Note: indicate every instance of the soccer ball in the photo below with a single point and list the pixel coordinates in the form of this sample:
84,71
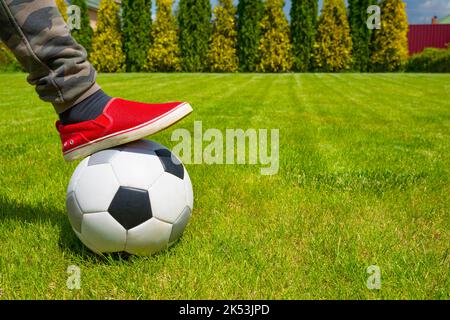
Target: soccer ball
136,198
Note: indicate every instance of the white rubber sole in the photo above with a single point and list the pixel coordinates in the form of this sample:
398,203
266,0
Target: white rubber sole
130,135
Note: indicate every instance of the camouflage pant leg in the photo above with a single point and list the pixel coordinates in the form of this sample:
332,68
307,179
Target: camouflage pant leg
38,36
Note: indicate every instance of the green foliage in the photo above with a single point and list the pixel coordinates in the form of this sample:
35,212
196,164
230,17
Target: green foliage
194,18
222,50
107,54
7,60
62,7
430,60
83,35
360,33
249,33
164,54
136,28
333,45
274,47
390,43
303,30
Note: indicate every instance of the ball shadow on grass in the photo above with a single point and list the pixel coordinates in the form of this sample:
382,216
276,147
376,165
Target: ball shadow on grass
14,210
46,213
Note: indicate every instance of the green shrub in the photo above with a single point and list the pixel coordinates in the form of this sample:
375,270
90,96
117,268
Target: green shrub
333,46
390,43
430,60
275,49
222,49
83,35
303,31
194,20
249,33
136,30
361,34
7,60
107,54
164,54
62,7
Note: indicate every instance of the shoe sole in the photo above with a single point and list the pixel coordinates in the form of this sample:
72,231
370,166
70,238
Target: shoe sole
131,134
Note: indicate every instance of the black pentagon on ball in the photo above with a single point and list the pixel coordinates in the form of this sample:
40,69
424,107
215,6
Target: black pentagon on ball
130,207
171,164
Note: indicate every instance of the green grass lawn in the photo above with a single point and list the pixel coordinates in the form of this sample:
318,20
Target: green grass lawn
363,180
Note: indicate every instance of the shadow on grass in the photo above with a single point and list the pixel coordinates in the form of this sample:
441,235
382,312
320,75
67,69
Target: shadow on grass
12,210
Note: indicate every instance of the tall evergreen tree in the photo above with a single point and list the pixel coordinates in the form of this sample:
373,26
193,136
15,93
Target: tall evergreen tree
249,33
303,30
62,7
83,35
390,43
194,19
333,45
274,47
222,50
107,49
7,60
164,54
136,28
360,33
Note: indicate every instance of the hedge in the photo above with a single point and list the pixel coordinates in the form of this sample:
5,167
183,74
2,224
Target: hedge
430,60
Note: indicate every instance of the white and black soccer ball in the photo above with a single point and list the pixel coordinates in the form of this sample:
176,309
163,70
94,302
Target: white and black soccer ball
136,198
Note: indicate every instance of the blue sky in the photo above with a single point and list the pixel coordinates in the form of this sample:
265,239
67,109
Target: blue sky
419,11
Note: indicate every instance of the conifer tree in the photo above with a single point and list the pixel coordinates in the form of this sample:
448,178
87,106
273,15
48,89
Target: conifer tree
303,29
275,48
83,35
136,28
164,54
390,43
222,50
360,33
62,7
7,60
333,44
107,54
194,20
249,34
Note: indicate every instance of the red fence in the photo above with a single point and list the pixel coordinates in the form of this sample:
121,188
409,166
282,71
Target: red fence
423,36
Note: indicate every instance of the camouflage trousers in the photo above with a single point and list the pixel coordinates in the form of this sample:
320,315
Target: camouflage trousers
56,64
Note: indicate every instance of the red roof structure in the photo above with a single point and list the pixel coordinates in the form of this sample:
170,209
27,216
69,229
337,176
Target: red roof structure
423,36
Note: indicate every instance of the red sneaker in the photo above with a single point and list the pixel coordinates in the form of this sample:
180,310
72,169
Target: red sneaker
121,122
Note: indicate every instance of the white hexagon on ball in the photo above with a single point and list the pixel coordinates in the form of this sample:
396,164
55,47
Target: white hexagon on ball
76,175
165,205
103,232
96,188
74,211
138,241
137,170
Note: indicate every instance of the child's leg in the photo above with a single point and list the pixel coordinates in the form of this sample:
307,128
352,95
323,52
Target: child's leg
39,38
89,119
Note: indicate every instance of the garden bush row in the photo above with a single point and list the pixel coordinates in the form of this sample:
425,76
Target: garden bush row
430,60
